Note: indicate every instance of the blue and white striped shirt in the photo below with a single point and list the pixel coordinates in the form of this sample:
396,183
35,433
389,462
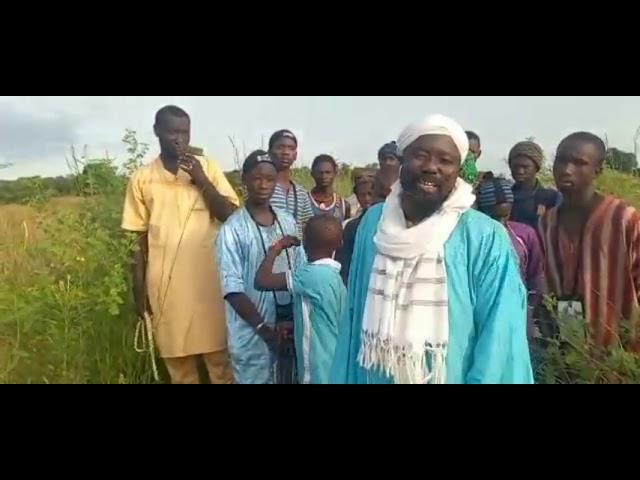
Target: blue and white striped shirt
295,202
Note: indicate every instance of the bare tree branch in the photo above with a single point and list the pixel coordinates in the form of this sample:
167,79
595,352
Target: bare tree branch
636,146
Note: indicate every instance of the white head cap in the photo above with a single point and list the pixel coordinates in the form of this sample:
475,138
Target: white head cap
435,125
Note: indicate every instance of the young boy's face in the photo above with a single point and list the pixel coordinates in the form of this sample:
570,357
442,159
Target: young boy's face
324,174
285,153
523,170
261,182
576,167
364,194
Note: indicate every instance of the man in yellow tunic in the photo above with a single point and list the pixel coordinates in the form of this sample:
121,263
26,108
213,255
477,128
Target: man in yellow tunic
174,204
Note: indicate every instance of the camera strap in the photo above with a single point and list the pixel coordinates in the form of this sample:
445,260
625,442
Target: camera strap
264,246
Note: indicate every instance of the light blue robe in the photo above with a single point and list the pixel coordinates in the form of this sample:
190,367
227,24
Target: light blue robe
487,307
320,299
240,254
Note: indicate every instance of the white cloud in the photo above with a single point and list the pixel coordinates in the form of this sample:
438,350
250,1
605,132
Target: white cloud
36,131
28,135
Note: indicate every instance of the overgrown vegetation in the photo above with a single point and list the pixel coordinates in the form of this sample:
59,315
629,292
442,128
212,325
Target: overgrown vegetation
571,358
66,314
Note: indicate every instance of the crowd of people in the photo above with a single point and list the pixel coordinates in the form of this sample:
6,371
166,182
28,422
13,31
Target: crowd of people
432,272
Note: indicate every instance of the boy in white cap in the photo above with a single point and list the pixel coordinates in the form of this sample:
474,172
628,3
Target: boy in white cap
435,292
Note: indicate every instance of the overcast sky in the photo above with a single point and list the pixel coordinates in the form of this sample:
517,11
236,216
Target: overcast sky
37,132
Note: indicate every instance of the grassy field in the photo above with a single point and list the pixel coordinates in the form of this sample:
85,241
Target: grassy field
621,186
66,312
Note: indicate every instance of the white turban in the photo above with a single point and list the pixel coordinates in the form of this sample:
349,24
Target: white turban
436,125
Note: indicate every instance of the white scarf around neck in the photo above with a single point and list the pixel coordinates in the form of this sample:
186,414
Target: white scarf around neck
406,318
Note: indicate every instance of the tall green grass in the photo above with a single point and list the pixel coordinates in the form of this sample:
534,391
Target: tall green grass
66,311
66,314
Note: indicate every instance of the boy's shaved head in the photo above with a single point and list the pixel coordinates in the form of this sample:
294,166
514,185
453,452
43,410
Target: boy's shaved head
323,234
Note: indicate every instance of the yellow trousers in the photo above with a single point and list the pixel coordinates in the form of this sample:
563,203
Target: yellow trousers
184,371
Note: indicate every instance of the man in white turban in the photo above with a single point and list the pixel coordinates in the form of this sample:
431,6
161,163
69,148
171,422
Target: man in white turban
435,292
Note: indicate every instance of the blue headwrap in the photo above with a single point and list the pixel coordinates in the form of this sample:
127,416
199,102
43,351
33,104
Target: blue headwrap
389,149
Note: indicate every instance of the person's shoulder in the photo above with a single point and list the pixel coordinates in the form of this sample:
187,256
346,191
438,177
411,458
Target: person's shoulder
325,274
523,227
210,162
477,223
525,230
236,218
371,218
373,212
352,224
146,170
544,189
549,195
213,169
617,207
618,203
480,233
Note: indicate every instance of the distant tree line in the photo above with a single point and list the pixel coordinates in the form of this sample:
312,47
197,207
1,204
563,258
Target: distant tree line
24,189
101,176
98,177
622,161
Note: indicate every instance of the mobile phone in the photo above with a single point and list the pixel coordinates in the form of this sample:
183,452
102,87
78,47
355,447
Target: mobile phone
195,151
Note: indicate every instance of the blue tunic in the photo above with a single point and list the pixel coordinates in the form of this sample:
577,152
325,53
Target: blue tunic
240,254
487,306
320,299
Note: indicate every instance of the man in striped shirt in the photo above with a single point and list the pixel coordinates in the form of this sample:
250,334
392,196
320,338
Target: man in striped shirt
592,243
288,195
